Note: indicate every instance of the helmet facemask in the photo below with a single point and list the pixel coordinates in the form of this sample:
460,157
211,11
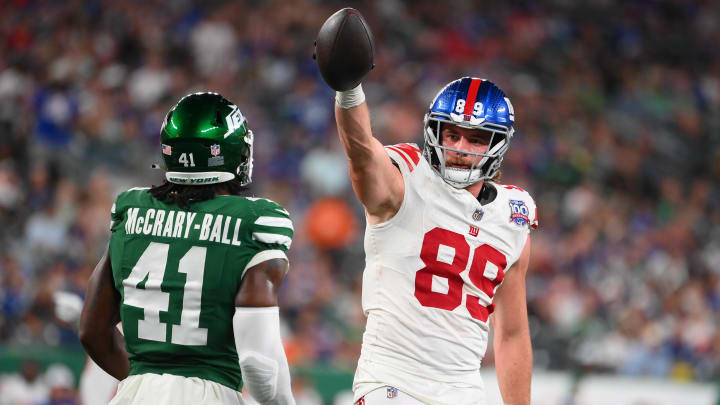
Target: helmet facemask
244,170
484,165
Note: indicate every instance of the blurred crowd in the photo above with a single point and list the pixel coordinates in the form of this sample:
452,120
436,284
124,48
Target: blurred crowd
618,139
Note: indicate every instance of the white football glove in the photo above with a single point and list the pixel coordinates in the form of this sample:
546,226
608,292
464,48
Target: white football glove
67,306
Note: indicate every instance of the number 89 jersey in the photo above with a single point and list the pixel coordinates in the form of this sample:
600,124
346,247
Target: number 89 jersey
430,277
178,272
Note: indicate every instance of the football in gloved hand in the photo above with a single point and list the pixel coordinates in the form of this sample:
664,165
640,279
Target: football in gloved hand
344,49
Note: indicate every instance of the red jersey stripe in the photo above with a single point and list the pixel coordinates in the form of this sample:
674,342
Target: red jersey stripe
402,155
411,151
471,96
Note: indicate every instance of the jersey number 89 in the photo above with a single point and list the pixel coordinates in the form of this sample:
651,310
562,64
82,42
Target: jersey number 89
451,271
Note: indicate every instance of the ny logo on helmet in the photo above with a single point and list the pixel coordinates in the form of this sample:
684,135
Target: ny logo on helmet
234,120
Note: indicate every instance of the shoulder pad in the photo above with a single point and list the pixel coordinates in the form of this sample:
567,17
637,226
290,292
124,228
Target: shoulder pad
272,224
132,194
125,198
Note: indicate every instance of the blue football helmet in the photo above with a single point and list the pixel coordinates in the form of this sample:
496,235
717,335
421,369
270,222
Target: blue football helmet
472,103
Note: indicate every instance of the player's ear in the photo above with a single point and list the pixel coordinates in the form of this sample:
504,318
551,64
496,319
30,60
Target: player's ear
260,284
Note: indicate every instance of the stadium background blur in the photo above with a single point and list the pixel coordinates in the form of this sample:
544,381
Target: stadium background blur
618,140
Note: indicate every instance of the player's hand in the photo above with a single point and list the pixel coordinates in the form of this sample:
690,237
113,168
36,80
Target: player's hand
67,306
344,49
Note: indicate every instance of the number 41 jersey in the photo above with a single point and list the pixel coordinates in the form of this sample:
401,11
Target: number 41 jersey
430,277
178,272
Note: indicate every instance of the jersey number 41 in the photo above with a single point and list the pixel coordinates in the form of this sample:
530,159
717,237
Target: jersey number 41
152,299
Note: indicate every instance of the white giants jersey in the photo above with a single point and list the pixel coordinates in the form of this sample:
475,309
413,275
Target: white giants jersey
430,277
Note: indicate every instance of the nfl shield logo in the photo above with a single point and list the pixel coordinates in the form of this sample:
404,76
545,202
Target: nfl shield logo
215,150
477,215
392,392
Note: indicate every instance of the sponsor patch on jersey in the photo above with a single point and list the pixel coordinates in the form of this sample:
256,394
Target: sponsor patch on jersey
392,392
477,215
519,212
166,149
215,149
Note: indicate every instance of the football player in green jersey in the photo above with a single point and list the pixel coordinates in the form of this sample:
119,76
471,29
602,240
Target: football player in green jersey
193,271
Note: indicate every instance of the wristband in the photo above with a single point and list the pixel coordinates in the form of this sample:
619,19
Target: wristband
350,98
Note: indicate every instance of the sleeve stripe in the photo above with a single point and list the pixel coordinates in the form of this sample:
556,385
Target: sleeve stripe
264,256
403,156
272,238
282,211
412,151
275,222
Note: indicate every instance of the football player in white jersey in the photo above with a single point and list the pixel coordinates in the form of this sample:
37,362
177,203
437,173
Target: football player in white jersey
446,246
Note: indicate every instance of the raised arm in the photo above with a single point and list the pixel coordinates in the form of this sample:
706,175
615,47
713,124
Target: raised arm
376,181
513,352
345,51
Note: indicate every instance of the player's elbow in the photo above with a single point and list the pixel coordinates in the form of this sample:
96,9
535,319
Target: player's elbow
513,344
86,336
88,333
519,333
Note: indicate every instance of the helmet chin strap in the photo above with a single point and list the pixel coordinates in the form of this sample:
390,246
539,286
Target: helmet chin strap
461,178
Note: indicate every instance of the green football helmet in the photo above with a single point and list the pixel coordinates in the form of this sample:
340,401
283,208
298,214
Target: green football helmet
205,140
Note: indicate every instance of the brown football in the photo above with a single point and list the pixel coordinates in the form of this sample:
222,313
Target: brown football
344,49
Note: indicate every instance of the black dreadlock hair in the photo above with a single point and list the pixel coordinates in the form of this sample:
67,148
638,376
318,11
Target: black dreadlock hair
184,195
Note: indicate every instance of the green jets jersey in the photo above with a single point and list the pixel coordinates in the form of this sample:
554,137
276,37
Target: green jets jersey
178,272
